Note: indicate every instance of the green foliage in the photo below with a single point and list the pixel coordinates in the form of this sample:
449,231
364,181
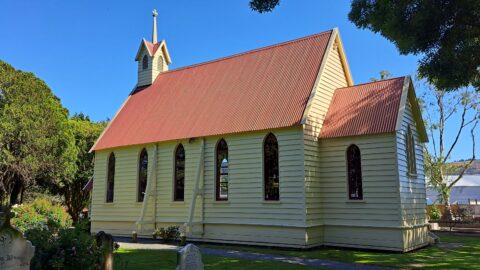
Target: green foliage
444,32
384,74
434,213
439,107
69,248
86,133
168,234
41,214
36,141
262,6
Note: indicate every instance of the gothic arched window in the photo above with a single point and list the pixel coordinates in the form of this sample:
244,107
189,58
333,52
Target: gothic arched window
354,167
221,172
145,62
270,169
410,151
142,175
179,174
110,178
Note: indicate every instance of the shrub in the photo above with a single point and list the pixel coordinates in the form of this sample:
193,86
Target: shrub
170,233
434,213
68,248
41,213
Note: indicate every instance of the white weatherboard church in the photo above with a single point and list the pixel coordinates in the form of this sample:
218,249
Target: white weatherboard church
274,146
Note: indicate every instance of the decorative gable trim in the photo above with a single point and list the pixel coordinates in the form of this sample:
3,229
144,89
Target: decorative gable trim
331,41
408,93
162,48
334,41
143,44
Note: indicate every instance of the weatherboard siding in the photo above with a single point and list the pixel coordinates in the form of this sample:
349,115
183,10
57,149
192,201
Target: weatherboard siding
412,188
332,77
245,205
124,207
374,221
156,65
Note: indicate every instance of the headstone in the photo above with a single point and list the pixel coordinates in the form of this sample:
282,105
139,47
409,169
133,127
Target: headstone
15,251
189,258
105,242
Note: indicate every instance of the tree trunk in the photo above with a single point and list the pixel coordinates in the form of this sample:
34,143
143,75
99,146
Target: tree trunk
447,214
16,190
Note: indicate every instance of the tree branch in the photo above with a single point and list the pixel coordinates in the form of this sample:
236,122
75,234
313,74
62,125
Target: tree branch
469,163
462,125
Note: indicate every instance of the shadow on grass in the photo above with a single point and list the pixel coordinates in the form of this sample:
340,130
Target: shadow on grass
158,259
455,252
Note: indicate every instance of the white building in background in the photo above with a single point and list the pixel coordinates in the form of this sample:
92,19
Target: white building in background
466,191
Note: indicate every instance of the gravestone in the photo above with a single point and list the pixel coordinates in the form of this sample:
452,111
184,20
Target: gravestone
105,241
189,258
15,251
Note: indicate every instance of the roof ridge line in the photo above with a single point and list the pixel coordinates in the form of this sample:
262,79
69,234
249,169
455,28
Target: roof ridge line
396,78
248,52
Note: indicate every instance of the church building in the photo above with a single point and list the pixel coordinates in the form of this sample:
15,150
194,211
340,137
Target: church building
275,146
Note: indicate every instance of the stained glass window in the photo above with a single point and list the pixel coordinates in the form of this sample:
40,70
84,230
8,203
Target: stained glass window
355,191
222,171
142,174
110,178
270,168
179,181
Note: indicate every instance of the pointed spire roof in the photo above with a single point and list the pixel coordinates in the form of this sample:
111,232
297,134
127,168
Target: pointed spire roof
154,32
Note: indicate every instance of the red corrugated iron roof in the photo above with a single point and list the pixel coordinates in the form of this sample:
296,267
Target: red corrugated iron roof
370,108
261,89
152,48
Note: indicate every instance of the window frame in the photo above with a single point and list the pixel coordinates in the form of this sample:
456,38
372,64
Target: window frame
143,151
218,171
264,176
145,62
361,197
110,171
175,198
410,151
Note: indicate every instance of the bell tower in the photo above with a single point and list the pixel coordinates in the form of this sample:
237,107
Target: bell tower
152,57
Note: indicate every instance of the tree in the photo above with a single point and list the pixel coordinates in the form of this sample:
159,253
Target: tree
444,32
384,74
262,6
35,138
440,109
86,133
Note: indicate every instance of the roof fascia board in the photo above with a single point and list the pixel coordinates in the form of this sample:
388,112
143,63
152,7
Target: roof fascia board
403,103
143,44
417,114
111,121
163,48
408,93
343,58
331,41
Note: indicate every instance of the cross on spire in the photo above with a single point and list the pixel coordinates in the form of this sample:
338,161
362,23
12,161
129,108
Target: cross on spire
154,34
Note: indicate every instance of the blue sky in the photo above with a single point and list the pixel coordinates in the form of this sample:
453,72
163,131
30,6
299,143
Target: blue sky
85,50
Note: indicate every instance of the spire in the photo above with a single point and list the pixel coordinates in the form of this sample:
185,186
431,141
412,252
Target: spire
154,34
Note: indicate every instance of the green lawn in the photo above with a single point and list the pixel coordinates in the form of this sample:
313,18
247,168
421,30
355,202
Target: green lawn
155,259
454,252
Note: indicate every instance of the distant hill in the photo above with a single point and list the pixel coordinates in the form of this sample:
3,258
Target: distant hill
474,169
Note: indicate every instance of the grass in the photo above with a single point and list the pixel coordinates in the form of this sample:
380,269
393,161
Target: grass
454,252
157,259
